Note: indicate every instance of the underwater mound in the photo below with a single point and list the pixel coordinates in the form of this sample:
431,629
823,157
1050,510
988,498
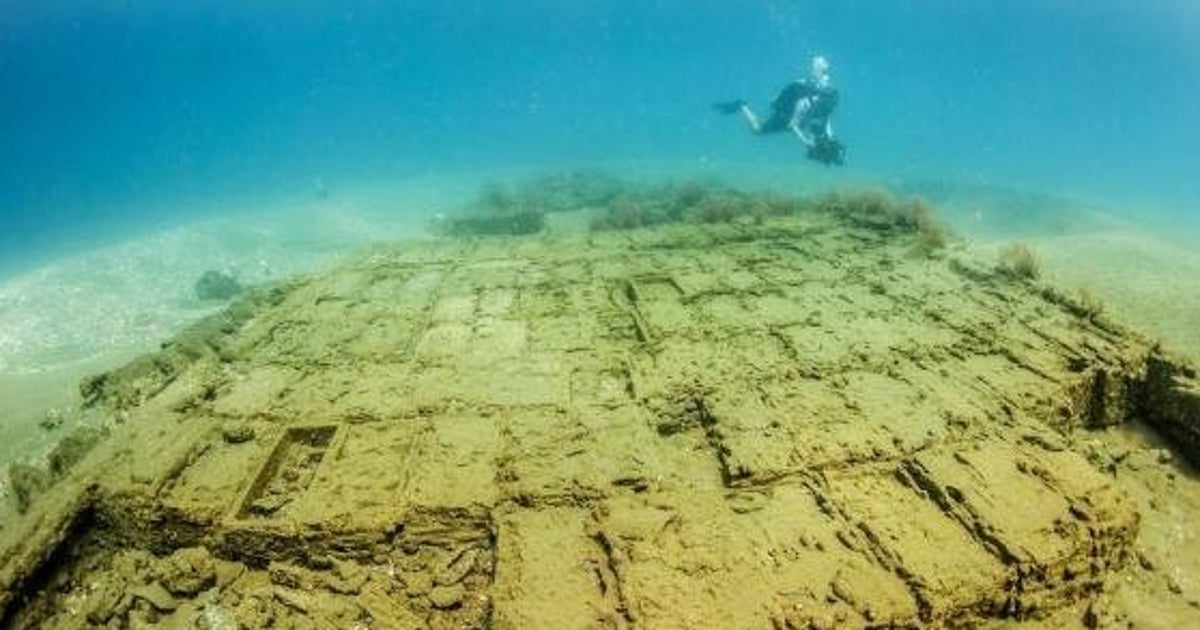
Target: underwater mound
709,408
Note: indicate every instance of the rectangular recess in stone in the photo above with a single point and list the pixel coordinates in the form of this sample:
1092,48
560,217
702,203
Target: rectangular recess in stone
361,481
775,309
498,339
386,338
599,383
552,573
563,333
765,558
749,440
533,381
723,315
451,463
211,482
692,283
288,471
458,308
656,288
666,318
950,571
621,326
740,279
255,390
497,302
1011,498
443,343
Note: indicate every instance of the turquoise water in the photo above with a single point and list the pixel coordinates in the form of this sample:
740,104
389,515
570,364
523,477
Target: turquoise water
122,117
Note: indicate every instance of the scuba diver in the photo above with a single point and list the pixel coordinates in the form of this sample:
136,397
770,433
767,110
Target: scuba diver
803,107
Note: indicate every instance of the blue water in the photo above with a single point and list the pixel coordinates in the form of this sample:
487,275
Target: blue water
121,116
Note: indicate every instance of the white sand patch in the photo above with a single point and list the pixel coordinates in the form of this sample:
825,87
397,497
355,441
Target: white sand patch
94,311
138,292
1142,269
1149,281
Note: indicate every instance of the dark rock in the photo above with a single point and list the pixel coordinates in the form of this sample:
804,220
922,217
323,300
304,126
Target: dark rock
237,434
214,285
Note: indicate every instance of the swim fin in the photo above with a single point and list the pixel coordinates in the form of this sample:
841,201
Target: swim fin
729,107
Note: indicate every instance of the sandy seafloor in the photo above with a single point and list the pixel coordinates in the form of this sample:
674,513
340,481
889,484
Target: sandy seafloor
95,310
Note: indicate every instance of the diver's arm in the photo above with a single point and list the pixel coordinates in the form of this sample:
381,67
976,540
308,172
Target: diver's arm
805,138
802,107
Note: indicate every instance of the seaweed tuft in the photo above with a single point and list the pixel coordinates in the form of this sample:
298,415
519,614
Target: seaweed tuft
1019,261
613,204
931,235
879,210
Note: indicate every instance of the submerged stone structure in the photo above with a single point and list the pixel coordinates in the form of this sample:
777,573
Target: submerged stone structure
785,422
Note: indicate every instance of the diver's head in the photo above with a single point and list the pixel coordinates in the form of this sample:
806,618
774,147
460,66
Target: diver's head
820,69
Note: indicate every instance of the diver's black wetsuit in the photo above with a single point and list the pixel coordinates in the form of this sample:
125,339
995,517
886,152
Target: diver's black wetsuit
805,103
783,108
813,121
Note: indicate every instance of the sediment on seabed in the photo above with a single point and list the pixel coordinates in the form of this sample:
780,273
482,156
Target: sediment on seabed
809,411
